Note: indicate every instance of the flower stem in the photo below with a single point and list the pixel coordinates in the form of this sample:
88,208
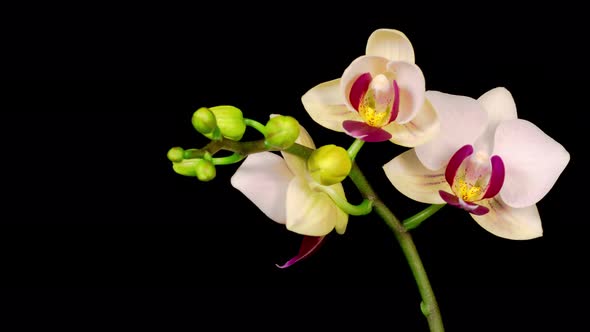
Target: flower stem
429,305
417,219
354,149
232,159
256,125
354,210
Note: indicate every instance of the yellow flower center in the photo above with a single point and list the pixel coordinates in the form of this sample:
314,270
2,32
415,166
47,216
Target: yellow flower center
472,178
376,105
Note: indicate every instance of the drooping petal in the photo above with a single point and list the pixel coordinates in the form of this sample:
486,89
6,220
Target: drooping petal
390,44
326,105
309,245
373,65
411,178
500,106
363,131
309,212
264,178
423,127
508,222
532,159
456,161
412,88
497,177
462,120
296,164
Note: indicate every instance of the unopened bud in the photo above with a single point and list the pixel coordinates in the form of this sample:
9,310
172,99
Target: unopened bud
230,121
205,170
176,154
282,131
186,167
329,164
205,122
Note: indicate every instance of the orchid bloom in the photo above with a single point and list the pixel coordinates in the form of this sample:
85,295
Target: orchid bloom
484,160
380,96
286,193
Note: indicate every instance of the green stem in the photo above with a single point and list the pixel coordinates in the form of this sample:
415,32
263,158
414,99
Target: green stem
417,219
234,158
429,305
256,125
354,210
354,149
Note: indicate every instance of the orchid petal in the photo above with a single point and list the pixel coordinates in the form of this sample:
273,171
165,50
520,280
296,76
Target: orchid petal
373,65
341,217
508,222
327,106
411,178
297,164
500,106
309,212
364,132
390,44
264,178
533,162
462,121
423,127
472,208
412,85
309,245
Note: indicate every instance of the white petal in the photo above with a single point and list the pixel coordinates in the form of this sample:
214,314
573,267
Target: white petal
510,223
412,87
532,159
462,121
309,212
411,178
500,106
390,44
296,164
341,218
264,178
326,105
423,127
374,65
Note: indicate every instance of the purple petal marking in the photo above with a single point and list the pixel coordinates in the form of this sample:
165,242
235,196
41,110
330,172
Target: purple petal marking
449,198
497,177
365,132
358,90
308,246
395,107
456,161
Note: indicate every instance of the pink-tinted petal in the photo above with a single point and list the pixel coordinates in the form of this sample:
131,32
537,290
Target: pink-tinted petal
508,222
421,129
358,90
497,177
412,87
309,245
373,65
390,44
327,106
500,106
467,206
363,131
462,121
456,161
532,159
264,178
407,174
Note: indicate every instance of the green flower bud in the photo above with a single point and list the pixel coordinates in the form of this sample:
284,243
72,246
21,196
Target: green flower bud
205,170
282,131
176,154
230,121
329,164
186,167
204,122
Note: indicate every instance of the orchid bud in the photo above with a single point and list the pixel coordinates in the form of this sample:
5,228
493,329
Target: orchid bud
186,167
176,154
281,131
329,164
205,170
230,122
205,122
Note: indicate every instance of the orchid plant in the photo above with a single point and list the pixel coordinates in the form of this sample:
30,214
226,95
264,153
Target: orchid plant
475,155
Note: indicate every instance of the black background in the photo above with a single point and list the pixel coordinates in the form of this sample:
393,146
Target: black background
97,226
